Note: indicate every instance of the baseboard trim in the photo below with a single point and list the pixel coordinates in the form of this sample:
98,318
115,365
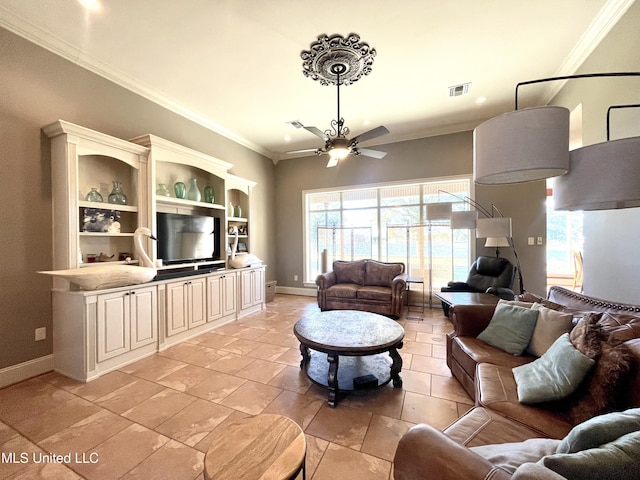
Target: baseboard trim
24,370
306,292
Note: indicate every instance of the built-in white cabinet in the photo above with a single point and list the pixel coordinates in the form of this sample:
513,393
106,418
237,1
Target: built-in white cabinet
222,296
251,290
125,321
186,305
95,332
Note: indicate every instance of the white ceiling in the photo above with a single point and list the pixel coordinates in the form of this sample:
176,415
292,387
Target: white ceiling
234,65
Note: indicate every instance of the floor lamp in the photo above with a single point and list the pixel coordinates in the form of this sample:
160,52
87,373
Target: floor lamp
435,211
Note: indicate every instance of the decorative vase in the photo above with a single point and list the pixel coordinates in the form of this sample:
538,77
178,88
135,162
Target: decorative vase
237,211
194,193
162,191
209,194
180,189
117,196
94,196
230,209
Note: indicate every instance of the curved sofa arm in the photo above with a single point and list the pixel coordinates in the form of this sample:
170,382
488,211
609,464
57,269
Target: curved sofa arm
325,280
502,292
470,320
399,284
425,452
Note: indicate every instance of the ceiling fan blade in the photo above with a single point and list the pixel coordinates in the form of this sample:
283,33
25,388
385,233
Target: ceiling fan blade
372,153
316,131
332,162
306,150
376,132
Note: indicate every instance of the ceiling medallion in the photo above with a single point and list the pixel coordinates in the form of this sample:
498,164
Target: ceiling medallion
337,60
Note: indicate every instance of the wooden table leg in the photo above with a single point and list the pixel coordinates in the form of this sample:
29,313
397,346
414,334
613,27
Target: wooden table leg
396,366
304,351
332,379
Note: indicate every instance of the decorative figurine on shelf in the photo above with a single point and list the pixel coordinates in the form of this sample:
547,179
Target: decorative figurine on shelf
241,260
194,192
180,189
209,196
103,257
117,196
162,191
94,196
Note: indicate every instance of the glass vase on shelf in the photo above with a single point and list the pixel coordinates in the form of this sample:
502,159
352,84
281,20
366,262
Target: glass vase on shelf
209,196
194,192
180,189
162,190
237,211
117,196
94,196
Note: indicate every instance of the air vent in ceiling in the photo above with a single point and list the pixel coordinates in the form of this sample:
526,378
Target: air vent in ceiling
295,123
457,90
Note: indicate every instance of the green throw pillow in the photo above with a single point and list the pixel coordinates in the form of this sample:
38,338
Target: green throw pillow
510,328
617,460
600,430
554,375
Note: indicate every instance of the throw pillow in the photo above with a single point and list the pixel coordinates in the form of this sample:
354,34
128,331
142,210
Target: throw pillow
554,375
600,430
619,460
550,325
510,328
604,387
517,303
586,335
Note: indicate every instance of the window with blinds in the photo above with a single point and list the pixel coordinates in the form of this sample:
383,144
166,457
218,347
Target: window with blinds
388,223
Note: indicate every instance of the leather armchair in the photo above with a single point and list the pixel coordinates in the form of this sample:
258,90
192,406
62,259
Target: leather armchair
487,275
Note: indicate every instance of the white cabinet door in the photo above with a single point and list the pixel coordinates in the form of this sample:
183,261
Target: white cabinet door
214,297
246,289
221,296
229,294
144,316
258,286
197,302
113,333
176,313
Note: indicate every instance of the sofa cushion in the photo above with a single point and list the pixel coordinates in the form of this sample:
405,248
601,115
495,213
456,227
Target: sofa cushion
342,290
600,430
469,352
510,328
381,274
496,389
553,376
509,456
623,326
349,272
381,294
550,325
619,460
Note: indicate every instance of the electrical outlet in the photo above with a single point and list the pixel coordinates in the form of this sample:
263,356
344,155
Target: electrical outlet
539,240
41,333
295,278
531,241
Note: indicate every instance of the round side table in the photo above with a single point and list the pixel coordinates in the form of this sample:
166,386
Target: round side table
267,447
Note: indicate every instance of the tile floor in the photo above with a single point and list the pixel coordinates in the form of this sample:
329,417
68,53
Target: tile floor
155,418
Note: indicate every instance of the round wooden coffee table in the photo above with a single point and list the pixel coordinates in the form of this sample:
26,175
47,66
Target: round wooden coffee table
271,447
361,338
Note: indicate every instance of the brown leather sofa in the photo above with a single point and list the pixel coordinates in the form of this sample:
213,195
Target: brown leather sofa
499,419
366,285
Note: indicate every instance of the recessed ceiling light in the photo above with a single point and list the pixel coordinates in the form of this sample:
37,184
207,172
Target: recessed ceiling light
481,99
366,122
287,138
90,4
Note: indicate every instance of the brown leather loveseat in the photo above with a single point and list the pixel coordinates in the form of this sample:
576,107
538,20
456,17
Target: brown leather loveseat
366,285
491,440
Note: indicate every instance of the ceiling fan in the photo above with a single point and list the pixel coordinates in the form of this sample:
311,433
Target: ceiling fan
339,60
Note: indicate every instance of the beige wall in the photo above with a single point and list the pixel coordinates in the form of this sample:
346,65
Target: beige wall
611,260
37,89
442,156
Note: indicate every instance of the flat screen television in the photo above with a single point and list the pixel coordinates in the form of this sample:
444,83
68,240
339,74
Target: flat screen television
187,238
